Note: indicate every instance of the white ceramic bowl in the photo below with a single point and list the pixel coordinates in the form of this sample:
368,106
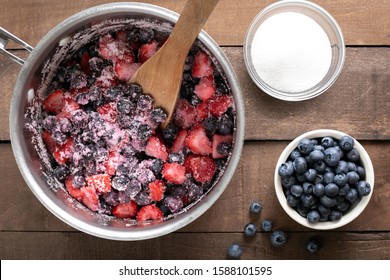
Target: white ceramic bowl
354,211
328,24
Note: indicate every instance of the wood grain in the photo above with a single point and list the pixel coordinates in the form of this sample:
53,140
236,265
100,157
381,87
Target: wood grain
361,22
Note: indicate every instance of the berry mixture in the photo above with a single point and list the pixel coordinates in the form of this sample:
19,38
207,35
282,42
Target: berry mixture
323,178
104,138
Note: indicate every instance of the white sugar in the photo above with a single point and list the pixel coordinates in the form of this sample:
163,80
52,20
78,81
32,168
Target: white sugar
291,52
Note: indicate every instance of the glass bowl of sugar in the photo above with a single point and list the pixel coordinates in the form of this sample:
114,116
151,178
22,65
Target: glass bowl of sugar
294,50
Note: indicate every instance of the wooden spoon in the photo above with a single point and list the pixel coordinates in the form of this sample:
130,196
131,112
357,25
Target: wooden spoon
161,75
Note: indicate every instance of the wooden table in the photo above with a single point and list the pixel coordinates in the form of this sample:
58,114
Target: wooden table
358,104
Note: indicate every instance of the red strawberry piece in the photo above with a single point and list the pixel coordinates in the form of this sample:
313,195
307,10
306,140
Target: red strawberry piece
174,173
125,70
203,111
202,168
149,212
156,148
64,152
108,112
105,46
113,161
84,63
125,210
90,198
69,106
72,190
202,65
198,142
146,51
51,144
121,35
101,182
205,88
179,142
185,114
218,139
54,102
156,190
107,78
219,104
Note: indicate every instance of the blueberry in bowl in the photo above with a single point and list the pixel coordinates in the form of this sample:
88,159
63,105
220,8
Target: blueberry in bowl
89,144
324,179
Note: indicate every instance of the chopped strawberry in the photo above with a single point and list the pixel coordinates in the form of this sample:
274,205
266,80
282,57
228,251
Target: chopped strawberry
202,168
124,70
149,212
104,46
101,182
179,142
174,173
156,190
156,148
146,51
113,161
54,102
108,112
51,145
203,111
69,106
219,104
125,210
107,78
90,198
84,63
205,88
185,114
202,65
121,35
218,139
72,190
64,152
198,142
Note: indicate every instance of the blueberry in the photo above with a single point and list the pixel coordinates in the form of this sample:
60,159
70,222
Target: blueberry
295,153
158,115
225,125
296,190
319,179
353,155
301,177
346,143
278,238
344,189
335,215
173,203
250,229
224,148
342,206
292,200
266,225
328,177
332,156
305,146
312,246
145,102
352,166
313,217
146,35
134,91
319,166
234,251
169,134
176,157
363,188
307,187
308,200
331,190
353,177
328,201
61,172
351,195
210,124
288,181
340,179
316,155
302,210
144,132
324,211
361,171
300,165
255,207
120,183
327,142
286,169
124,106
78,181
342,167
319,190
310,174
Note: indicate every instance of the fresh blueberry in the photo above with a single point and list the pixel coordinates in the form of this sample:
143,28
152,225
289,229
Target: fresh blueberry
352,166
313,217
301,177
292,200
307,187
286,169
300,165
328,201
361,171
331,190
266,225
295,153
312,246
342,167
296,190
255,207
319,166
344,189
327,142
340,179
328,177
316,155
363,188
353,155
319,190
308,200
234,251
302,210
343,206
61,172
353,177
305,146
346,142
319,179
311,174
351,195
278,238
332,156
324,211
335,215
288,181
250,229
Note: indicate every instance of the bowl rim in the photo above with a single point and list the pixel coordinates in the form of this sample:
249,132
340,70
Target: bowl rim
305,95
19,147
350,215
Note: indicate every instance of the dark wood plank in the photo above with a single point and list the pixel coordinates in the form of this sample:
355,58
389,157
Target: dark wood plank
356,104
253,180
187,246
361,22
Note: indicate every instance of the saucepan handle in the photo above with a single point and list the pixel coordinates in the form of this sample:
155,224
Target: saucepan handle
5,37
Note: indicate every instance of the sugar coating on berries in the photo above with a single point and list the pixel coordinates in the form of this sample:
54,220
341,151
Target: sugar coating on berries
103,134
